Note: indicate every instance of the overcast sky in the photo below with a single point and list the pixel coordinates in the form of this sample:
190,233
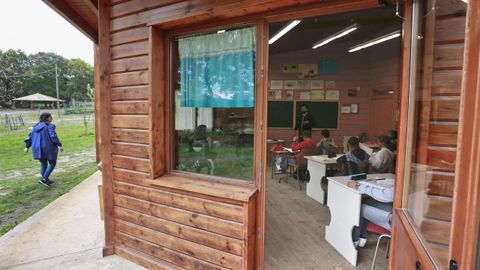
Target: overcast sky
32,26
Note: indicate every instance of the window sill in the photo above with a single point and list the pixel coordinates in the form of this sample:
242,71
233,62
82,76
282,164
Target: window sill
202,186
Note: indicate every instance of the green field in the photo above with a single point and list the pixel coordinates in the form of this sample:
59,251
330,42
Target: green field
20,194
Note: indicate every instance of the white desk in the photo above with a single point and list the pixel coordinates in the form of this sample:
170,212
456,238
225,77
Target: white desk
345,204
317,167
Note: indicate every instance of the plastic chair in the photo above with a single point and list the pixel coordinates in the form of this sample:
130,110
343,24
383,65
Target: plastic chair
384,233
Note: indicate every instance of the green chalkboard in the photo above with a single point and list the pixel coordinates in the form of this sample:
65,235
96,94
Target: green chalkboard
280,114
324,113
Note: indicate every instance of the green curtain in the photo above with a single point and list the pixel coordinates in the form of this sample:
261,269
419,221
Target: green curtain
218,70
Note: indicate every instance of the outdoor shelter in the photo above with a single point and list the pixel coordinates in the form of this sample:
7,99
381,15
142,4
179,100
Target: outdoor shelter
161,216
37,99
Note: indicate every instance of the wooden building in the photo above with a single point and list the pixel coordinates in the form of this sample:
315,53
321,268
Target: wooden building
163,217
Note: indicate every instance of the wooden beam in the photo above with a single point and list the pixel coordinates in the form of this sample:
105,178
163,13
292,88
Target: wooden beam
68,13
156,96
105,116
93,6
466,218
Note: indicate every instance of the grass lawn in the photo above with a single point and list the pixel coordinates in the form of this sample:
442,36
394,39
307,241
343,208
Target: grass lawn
20,194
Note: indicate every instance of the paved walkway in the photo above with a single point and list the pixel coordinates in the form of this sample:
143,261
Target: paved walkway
67,234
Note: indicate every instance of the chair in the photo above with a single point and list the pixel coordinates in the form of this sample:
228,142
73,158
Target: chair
300,164
384,233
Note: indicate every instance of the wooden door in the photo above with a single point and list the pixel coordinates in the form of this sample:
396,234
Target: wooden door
434,149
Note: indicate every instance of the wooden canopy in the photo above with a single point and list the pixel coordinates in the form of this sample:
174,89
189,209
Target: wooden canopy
37,97
83,14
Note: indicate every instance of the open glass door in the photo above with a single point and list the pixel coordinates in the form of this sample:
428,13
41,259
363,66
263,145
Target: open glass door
424,222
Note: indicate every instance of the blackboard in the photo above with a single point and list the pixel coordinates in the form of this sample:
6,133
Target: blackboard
324,113
280,114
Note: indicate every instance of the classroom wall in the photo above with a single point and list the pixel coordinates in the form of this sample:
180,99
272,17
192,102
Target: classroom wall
363,70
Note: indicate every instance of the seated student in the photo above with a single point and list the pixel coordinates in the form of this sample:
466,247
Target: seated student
303,145
305,142
356,159
393,134
383,160
325,143
376,209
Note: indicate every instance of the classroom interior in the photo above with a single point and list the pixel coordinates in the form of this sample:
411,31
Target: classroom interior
348,93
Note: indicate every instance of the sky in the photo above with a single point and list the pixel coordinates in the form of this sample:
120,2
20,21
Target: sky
30,25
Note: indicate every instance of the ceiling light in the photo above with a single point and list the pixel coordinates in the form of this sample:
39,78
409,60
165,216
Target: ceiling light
465,1
220,31
284,30
339,34
375,41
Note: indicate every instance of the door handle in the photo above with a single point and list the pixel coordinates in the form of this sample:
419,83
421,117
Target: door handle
418,265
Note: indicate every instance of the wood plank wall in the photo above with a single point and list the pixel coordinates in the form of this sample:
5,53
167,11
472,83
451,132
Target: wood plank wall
441,107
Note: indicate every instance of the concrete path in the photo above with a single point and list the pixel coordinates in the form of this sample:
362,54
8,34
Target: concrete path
67,234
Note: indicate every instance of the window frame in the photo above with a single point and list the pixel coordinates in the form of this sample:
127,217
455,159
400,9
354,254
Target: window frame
169,106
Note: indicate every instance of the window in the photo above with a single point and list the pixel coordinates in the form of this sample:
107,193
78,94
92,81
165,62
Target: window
213,96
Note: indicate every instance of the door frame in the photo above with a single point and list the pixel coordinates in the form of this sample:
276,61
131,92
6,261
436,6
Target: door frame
465,228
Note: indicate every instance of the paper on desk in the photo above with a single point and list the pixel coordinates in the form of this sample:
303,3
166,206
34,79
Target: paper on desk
366,149
386,182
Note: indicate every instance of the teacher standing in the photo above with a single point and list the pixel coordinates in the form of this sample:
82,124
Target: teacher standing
304,122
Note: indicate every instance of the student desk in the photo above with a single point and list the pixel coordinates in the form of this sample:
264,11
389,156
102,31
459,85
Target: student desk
317,167
345,204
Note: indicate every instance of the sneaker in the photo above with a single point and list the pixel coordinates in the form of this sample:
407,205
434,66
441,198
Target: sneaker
362,242
49,182
43,182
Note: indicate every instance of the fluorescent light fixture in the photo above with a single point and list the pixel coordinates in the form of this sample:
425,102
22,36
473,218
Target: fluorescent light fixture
339,34
465,1
284,30
221,31
375,41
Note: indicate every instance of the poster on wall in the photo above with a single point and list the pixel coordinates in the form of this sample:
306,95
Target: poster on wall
316,84
345,109
354,108
290,84
289,95
317,95
332,94
307,71
330,84
278,95
305,95
290,68
276,84
352,92
271,95
329,66
303,84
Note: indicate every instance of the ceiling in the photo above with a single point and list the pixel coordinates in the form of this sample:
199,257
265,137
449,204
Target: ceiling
373,23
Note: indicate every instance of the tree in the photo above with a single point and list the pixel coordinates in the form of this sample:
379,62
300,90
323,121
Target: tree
42,64
13,64
79,75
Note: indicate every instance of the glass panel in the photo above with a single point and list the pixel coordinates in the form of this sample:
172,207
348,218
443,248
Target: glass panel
437,57
214,96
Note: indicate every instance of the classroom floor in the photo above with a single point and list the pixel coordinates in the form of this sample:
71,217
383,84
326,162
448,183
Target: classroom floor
295,233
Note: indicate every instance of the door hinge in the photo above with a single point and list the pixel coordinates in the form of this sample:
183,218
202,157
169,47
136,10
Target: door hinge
453,265
259,233
262,71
